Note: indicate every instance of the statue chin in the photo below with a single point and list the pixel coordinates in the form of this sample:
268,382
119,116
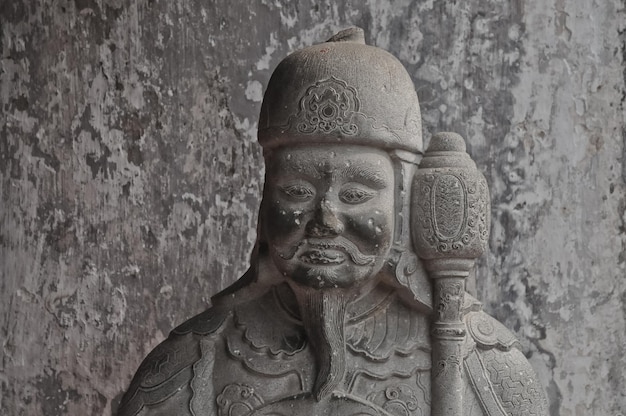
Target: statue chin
327,277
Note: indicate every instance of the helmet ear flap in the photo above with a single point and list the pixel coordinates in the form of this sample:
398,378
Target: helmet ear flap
261,240
406,268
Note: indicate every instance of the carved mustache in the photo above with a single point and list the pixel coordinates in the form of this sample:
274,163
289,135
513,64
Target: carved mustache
338,243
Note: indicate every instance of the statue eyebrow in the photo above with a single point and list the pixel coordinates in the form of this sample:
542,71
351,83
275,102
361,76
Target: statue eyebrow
369,175
306,169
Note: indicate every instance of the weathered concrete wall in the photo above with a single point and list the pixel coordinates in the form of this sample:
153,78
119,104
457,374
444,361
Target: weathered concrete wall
130,174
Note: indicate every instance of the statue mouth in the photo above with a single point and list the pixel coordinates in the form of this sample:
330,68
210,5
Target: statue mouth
323,257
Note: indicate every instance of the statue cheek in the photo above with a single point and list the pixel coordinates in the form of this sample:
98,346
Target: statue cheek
282,220
371,232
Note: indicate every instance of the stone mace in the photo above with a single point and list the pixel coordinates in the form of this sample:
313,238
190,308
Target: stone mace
451,227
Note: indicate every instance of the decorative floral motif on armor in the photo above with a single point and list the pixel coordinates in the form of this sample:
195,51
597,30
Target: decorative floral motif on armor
398,400
328,106
489,333
237,400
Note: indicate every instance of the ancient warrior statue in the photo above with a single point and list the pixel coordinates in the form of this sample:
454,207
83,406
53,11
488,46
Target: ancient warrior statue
355,300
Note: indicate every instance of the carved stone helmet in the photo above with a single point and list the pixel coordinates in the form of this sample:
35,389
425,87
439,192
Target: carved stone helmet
341,91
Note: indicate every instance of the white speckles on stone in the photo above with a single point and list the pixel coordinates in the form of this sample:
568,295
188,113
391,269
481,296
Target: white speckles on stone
292,42
191,197
411,48
166,291
254,91
131,270
117,311
579,104
288,20
514,32
511,58
134,93
245,127
264,62
25,295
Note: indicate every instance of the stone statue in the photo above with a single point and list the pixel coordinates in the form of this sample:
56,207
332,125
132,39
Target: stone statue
355,300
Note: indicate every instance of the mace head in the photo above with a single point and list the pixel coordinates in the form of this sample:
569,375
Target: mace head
450,200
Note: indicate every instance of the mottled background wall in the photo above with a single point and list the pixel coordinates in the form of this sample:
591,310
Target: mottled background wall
130,174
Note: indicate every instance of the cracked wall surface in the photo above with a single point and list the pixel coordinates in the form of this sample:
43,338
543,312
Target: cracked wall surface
130,174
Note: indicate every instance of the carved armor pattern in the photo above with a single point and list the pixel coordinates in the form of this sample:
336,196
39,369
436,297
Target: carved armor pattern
399,400
169,362
238,400
450,296
443,366
287,337
167,368
515,382
279,352
328,106
388,331
489,333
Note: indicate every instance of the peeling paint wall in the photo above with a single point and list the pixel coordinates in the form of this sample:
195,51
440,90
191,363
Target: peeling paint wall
130,174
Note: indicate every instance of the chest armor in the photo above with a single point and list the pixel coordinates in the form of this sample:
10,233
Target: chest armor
254,359
265,366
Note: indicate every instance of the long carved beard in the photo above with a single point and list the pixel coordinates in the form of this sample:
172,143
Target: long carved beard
323,315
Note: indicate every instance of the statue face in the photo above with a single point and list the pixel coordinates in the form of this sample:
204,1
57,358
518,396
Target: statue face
329,213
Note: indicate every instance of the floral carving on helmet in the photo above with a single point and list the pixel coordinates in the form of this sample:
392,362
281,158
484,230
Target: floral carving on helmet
328,106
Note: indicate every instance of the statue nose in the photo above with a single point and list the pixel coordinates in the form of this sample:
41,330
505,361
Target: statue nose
325,222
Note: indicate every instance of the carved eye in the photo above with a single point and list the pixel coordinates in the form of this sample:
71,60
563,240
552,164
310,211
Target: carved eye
355,195
297,191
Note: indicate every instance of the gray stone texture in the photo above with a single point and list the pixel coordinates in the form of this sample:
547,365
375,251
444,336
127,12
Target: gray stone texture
130,174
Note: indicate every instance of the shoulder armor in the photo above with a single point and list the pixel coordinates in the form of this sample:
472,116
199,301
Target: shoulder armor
488,333
169,366
505,383
205,323
501,377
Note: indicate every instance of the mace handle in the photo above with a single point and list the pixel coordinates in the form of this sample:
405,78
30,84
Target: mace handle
450,224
